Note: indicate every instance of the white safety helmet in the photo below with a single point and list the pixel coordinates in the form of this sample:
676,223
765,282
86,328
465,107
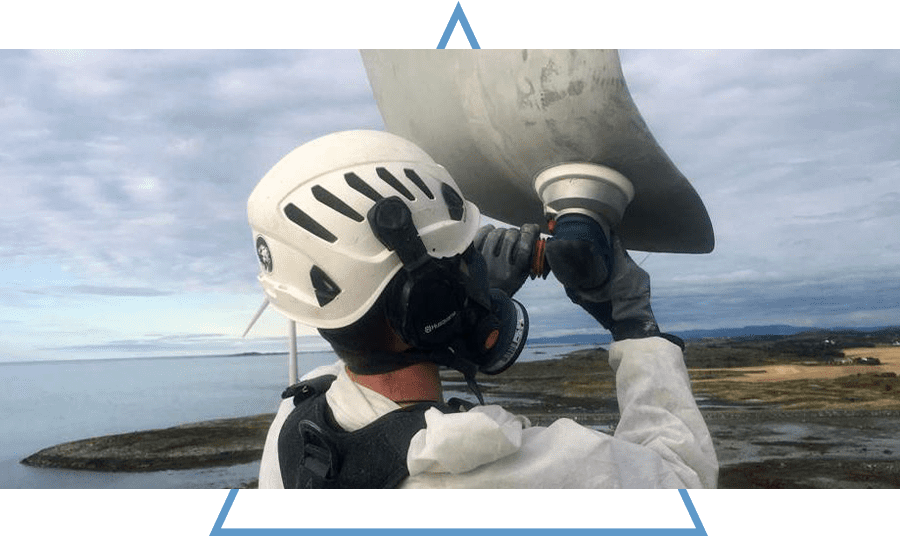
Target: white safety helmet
320,263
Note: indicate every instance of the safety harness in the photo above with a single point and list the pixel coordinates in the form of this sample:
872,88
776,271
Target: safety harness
315,452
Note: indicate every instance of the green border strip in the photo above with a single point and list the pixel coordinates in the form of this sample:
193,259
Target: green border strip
219,529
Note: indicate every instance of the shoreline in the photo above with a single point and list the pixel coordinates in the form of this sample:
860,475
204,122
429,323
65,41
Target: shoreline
813,428
197,445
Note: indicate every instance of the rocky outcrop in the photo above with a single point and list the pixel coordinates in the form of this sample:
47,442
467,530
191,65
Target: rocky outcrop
190,446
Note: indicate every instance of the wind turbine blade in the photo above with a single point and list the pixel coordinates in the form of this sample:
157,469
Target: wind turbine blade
259,312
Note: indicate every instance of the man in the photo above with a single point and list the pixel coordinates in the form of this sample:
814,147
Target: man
363,236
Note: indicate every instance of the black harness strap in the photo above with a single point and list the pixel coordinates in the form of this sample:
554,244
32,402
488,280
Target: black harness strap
314,452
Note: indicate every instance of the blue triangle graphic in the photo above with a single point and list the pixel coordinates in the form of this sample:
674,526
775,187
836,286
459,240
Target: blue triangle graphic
460,17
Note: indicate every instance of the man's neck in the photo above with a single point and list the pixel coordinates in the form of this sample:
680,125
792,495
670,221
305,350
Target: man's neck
419,382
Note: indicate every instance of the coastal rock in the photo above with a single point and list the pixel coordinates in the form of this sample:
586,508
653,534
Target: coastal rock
832,428
190,446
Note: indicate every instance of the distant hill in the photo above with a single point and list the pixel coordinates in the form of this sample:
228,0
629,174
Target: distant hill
750,331
572,340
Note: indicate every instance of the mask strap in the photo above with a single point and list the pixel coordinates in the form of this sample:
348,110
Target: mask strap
391,222
473,386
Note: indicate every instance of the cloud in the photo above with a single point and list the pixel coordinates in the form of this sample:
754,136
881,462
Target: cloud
885,207
793,152
115,291
185,344
126,174
134,166
823,303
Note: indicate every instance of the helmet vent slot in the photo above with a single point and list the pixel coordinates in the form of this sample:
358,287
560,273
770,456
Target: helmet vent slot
414,177
362,187
298,217
326,289
394,182
332,201
455,204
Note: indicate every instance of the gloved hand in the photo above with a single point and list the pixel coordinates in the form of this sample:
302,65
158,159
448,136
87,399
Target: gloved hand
602,279
507,253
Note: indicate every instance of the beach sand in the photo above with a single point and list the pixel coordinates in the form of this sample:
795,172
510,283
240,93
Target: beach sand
811,384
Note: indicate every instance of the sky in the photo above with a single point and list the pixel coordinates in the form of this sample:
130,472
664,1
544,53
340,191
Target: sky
125,176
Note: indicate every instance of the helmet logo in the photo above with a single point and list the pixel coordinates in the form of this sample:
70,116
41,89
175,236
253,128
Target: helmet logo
265,256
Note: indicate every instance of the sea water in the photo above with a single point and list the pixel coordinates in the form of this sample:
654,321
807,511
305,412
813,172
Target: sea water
46,403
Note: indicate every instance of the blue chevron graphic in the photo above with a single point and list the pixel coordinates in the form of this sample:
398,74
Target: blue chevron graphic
458,17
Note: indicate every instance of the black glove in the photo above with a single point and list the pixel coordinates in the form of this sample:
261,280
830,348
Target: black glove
507,253
602,278
578,253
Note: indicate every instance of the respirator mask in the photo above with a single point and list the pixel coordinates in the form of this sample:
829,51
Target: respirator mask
444,308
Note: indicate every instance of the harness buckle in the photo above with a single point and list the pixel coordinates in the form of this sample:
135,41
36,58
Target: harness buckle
319,454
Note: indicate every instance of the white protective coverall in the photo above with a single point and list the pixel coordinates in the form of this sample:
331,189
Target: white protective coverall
661,440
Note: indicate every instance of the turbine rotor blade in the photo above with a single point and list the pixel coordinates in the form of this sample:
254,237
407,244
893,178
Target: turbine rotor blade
259,312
